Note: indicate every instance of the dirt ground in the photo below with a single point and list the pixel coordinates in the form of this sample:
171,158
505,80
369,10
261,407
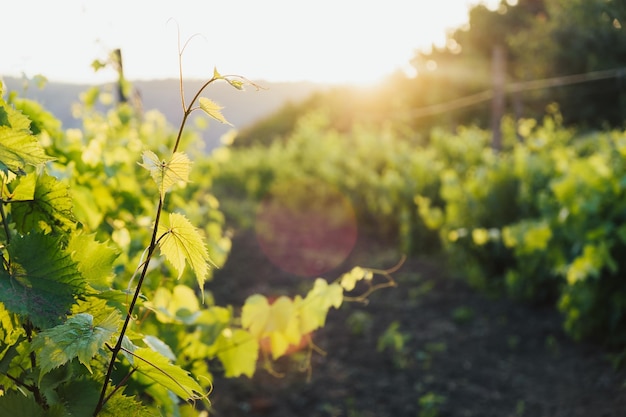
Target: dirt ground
450,351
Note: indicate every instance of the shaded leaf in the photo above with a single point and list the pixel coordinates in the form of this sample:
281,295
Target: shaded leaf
42,281
16,404
180,242
80,396
160,346
213,110
79,337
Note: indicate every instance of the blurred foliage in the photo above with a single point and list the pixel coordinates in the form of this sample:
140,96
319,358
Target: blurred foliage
541,220
77,237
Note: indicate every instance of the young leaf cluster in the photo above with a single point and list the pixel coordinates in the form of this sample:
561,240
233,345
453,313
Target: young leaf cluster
102,280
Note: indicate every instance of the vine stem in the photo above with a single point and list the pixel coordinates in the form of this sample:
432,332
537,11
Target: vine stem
153,243
5,224
131,307
187,110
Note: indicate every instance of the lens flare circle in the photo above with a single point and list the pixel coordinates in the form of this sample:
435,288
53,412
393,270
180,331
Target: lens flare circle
305,226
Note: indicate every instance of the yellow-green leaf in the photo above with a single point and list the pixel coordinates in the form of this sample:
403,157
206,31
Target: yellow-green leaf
238,351
18,148
158,368
313,309
349,279
167,173
179,242
213,110
235,83
49,210
254,314
278,321
78,337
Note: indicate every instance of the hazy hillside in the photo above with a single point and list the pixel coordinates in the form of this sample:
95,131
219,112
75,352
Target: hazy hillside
240,108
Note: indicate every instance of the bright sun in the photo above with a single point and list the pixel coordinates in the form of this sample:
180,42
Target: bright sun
275,40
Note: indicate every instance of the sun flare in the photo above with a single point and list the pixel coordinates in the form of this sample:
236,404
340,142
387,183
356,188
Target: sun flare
276,40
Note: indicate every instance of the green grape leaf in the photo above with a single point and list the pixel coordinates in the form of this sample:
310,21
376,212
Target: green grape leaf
213,110
313,309
181,304
159,369
11,329
238,351
160,346
122,406
10,117
42,280
50,210
16,404
180,242
79,337
24,187
166,174
95,260
80,396
18,147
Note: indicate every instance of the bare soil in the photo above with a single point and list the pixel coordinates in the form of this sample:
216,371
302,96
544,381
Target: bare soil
459,352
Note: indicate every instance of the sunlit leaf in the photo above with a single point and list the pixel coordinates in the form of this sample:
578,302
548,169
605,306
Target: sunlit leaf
213,110
24,187
42,281
95,260
236,83
159,369
277,321
49,210
79,337
255,313
181,304
313,309
238,351
180,242
18,147
167,173
122,406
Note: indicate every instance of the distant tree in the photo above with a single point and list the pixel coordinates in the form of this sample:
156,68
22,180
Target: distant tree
543,38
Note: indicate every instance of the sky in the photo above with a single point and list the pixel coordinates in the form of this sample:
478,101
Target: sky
328,41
